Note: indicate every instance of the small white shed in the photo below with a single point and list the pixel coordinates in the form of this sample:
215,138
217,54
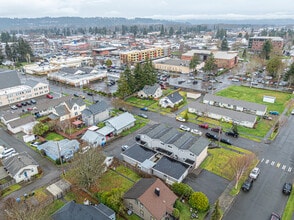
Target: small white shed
269,99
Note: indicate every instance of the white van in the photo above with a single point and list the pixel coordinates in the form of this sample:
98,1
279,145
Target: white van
7,153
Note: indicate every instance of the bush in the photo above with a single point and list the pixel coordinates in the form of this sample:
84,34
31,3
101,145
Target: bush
199,201
43,152
57,161
182,189
176,213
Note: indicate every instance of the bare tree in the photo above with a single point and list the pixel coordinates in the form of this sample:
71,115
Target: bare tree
88,167
239,166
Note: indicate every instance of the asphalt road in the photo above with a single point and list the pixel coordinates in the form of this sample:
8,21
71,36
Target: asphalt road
276,167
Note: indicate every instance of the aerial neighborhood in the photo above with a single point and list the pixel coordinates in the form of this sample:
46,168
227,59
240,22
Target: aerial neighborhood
174,121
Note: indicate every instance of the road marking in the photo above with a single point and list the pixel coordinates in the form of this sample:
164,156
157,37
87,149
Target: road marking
283,167
273,163
278,165
262,160
266,161
289,169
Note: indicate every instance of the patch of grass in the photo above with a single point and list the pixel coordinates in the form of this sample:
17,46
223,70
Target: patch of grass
289,209
53,207
53,137
10,189
184,209
129,173
70,196
140,122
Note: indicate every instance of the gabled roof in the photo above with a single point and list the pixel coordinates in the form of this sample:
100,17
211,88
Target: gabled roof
144,191
121,120
139,153
150,90
70,102
45,104
61,110
91,136
15,163
21,121
9,78
96,108
32,83
175,97
74,211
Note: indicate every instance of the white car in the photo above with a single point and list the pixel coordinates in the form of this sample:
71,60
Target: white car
195,131
254,173
292,112
184,128
179,118
124,147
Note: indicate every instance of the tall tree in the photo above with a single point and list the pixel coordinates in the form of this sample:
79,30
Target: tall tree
140,77
274,66
8,51
125,83
171,31
244,54
289,76
149,72
162,30
267,49
194,62
224,45
210,64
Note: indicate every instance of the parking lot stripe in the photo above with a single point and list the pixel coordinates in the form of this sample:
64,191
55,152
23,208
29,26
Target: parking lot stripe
278,165
262,160
289,169
266,161
283,167
273,163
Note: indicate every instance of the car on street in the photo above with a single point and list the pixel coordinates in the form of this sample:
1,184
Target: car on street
211,136
33,101
232,134
292,112
195,131
274,113
142,115
76,95
179,118
13,107
254,173
185,128
247,185
19,105
124,147
275,216
205,126
287,188
225,141
35,144
49,96
217,129
7,152
144,109
90,93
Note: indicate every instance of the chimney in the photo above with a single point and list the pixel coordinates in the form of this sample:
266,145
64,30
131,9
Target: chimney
157,191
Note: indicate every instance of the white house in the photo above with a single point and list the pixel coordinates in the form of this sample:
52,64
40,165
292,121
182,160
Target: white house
171,100
25,125
153,91
121,122
21,167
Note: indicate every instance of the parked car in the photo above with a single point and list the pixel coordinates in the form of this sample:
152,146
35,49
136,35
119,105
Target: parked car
13,107
185,128
287,188
179,118
124,147
225,141
254,173
292,112
8,152
35,143
211,136
143,115
274,113
275,216
195,131
144,109
76,95
90,93
19,105
247,185
218,130
49,96
232,133
266,117
33,101
205,126
24,103
122,109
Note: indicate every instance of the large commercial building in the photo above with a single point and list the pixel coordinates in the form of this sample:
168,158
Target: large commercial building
256,43
135,56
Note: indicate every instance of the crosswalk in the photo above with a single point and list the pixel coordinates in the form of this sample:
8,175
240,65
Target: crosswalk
276,164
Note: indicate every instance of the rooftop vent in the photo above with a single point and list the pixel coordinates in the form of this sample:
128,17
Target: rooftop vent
157,191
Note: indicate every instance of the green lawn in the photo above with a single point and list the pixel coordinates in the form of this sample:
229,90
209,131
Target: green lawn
53,137
184,209
289,209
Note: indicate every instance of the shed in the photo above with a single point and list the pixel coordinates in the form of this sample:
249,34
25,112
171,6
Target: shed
59,188
269,99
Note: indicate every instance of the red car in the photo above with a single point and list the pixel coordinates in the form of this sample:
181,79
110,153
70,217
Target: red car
49,96
205,126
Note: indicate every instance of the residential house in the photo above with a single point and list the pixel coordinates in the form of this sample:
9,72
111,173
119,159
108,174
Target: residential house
24,124
74,211
95,113
171,100
60,112
121,122
21,167
153,91
93,138
6,118
150,198
64,148
234,104
223,114
75,106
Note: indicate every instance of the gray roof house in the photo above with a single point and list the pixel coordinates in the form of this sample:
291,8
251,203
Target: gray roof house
121,122
21,167
234,104
74,211
24,124
64,148
9,117
171,100
95,113
240,118
93,138
148,91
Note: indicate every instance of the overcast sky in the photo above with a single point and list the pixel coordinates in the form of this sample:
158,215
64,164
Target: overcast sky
162,9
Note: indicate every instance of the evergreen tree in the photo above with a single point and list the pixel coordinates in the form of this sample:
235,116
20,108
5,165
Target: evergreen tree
8,51
194,62
162,30
149,73
289,76
244,54
171,31
210,64
224,45
266,49
139,77
126,84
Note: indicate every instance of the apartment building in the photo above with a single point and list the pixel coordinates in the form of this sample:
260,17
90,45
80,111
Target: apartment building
135,56
256,43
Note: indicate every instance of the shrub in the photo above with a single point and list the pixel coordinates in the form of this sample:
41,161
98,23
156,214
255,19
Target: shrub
43,152
199,201
182,189
176,213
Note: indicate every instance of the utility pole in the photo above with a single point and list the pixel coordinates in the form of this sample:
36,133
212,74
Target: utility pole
59,154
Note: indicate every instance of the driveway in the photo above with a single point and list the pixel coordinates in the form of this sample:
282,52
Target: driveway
210,184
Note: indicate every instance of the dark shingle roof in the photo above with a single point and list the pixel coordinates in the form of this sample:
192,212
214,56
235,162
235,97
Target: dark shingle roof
31,83
9,78
139,188
61,110
175,97
150,90
139,153
21,121
70,102
96,108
